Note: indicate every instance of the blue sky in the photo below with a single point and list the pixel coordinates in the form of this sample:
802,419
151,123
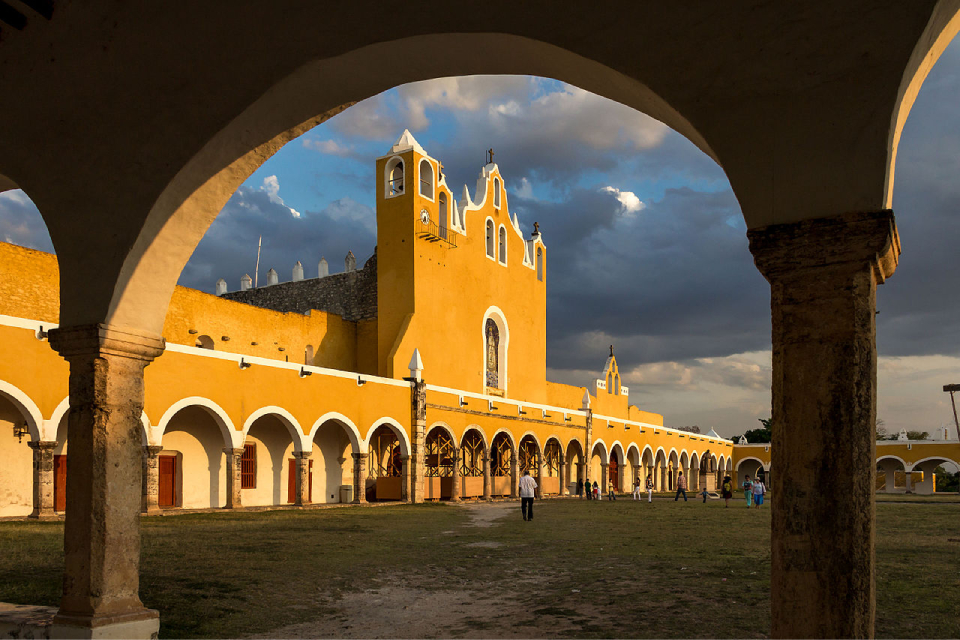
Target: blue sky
647,243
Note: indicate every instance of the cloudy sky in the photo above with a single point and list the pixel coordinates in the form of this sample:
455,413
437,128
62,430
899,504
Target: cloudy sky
647,243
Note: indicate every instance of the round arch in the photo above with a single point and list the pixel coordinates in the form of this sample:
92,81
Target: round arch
742,460
604,453
394,426
533,436
495,314
352,432
27,408
150,435
284,416
231,437
443,426
916,464
478,429
509,436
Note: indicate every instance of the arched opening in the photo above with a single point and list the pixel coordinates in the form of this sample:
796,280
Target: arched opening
195,471
332,455
613,471
490,239
503,245
426,179
496,193
438,465
598,458
308,355
529,459
268,463
16,470
660,471
385,467
471,464
502,462
540,264
575,466
204,342
551,480
673,466
444,215
693,482
394,177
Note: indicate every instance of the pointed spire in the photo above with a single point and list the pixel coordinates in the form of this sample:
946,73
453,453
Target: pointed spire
467,202
416,366
323,269
221,287
586,401
405,142
297,272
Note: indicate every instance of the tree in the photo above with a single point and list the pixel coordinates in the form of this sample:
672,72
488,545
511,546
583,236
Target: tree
946,481
881,431
763,435
917,435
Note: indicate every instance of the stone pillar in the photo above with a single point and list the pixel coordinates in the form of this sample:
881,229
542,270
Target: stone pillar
588,446
101,539
539,471
908,481
514,472
302,460
455,490
43,479
663,479
823,276
150,497
487,489
604,480
405,478
418,413
563,476
890,480
233,478
359,478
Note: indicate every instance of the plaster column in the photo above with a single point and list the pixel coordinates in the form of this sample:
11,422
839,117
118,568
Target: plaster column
359,478
487,489
418,414
908,481
150,498
101,537
823,276
43,479
663,479
563,477
233,478
539,471
514,472
405,478
302,460
455,490
694,479
890,479
604,481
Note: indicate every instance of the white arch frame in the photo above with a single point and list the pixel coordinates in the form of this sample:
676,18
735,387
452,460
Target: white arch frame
605,456
660,451
231,436
27,407
535,439
673,455
490,249
928,458
502,245
888,456
633,446
345,423
613,447
475,427
387,170
514,443
149,435
432,197
566,448
494,313
396,427
291,423
742,460
497,196
440,424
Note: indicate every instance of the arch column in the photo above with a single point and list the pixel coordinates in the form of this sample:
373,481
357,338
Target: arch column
563,476
405,478
486,475
234,482
455,490
823,276
418,411
302,460
663,478
514,471
101,578
604,478
540,475
150,499
43,479
694,478
359,478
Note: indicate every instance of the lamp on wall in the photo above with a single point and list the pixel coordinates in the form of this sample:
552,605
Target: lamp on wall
20,430
304,373
463,402
360,381
243,364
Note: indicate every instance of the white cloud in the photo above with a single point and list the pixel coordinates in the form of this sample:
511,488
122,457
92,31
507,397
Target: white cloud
329,147
271,186
629,201
524,189
16,196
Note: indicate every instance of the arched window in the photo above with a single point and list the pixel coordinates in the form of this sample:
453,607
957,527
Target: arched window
426,179
490,253
444,216
308,355
394,177
204,342
496,193
539,264
503,244
492,337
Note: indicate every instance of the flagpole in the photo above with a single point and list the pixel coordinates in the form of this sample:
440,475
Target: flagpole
256,273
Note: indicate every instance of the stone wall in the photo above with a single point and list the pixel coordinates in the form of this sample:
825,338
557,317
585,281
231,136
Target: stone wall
351,295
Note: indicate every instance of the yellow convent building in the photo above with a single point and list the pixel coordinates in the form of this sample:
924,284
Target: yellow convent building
421,375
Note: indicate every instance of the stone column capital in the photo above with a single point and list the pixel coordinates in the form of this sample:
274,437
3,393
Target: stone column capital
604,464
302,455
152,451
230,451
42,445
359,456
850,239
94,340
404,458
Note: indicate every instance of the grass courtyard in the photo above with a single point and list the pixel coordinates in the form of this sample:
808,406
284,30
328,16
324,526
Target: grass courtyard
584,569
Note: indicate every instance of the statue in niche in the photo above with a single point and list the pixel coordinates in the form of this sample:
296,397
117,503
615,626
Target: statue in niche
493,354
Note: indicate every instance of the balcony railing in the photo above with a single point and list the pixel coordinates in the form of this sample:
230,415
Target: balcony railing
432,232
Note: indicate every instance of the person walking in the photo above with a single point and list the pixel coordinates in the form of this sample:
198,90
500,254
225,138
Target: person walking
681,487
704,494
636,487
528,487
758,490
727,488
580,488
586,487
596,490
649,487
611,493
747,489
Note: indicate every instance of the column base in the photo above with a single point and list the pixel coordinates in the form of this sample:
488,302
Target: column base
52,515
139,624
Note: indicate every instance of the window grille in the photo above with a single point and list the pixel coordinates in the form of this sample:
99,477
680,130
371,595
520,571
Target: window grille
248,467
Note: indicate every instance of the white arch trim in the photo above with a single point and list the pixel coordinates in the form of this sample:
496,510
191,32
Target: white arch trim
291,423
648,449
660,452
633,446
352,432
28,408
604,456
893,457
929,458
440,424
231,437
742,460
553,436
478,429
616,445
513,442
673,454
396,427
150,435
535,439
498,316
566,448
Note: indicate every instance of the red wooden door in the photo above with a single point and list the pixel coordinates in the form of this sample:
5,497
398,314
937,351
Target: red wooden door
167,496
60,483
614,473
292,481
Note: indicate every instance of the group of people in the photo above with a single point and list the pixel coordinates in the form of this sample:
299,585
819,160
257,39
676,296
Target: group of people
753,490
593,491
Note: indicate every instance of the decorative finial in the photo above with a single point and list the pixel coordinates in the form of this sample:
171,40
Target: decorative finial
611,351
490,154
536,228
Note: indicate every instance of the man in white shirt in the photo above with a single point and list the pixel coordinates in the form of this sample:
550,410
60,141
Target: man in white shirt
527,488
